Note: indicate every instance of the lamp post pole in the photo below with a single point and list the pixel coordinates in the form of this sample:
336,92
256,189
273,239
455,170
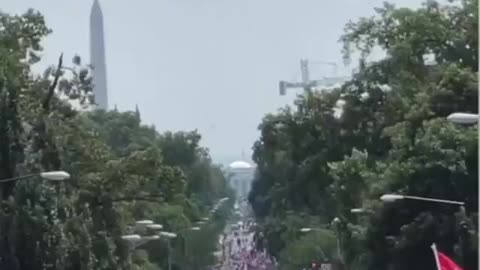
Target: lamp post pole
185,240
396,197
51,176
169,255
336,222
6,256
169,236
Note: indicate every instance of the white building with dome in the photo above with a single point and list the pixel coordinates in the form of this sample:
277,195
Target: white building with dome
241,177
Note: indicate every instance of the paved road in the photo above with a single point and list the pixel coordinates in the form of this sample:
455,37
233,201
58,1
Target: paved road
239,252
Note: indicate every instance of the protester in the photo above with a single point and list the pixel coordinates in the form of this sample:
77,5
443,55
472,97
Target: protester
241,251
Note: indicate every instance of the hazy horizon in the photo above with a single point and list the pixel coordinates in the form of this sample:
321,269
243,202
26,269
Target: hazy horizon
207,65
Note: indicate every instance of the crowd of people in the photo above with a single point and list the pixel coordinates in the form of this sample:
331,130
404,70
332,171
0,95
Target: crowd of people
239,251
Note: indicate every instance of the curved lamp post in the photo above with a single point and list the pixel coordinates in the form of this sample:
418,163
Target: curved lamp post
185,238
145,222
337,221
169,236
132,238
137,240
51,176
142,224
396,197
156,227
463,118
151,237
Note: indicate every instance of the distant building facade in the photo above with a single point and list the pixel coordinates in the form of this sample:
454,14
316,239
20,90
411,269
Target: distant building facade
242,174
97,56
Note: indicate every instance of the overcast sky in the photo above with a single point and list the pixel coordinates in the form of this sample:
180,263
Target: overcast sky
211,65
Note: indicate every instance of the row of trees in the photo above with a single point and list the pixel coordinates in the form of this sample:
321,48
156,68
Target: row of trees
121,171
384,131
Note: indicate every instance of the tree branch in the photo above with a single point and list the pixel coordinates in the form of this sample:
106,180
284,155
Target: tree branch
128,199
148,198
51,89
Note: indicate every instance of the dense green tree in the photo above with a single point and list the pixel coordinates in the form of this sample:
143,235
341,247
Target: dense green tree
121,170
390,137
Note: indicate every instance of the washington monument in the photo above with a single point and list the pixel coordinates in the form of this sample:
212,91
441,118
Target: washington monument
97,56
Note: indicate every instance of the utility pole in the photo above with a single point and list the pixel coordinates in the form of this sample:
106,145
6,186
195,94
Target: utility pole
306,83
305,71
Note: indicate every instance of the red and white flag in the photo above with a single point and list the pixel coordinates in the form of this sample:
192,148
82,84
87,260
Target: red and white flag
443,261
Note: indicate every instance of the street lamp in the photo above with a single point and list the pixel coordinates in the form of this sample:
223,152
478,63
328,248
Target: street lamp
361,211
55,175
145,222
169,236
137,240
337,221
132,238
155,226
396,197
463,118
185,240
305,230
51,176
308,229
151,237
141,225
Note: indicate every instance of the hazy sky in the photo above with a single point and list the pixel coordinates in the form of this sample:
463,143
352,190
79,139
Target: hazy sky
213,65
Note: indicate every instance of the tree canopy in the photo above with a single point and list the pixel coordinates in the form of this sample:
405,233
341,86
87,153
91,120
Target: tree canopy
384,131
121,170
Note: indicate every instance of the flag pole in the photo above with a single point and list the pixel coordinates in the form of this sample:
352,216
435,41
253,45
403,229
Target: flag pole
435,255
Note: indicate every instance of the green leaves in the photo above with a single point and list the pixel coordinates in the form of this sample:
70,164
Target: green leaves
391,136
317,245
121,171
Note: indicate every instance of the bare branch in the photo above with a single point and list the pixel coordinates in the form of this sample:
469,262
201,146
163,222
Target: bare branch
51,89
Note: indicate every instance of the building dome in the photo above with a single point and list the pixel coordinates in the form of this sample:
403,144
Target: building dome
238,165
